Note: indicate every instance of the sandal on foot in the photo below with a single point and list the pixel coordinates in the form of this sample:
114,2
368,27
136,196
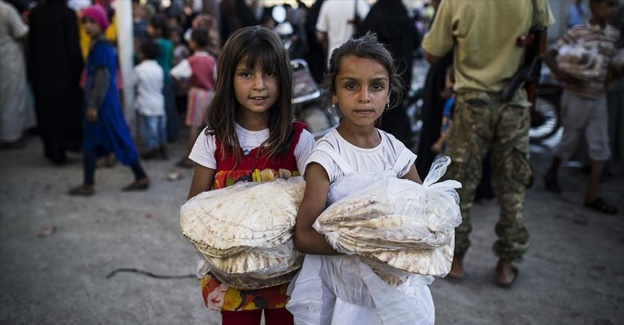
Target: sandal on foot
601,206
82,190
138,185
507,285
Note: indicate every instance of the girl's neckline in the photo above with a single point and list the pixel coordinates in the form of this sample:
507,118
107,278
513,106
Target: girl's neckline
355,146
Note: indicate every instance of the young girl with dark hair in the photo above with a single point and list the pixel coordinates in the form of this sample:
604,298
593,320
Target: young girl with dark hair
334,288
250,131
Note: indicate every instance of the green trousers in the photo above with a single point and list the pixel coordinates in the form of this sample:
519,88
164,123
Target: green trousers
483,123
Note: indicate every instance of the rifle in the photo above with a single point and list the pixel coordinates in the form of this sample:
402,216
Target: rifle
529,73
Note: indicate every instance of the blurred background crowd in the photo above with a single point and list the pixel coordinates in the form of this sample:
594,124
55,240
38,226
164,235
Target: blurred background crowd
43,48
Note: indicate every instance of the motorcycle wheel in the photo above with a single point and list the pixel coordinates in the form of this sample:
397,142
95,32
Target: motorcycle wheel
550,122
413,107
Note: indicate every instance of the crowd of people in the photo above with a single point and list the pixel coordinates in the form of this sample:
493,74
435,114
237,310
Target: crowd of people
227,80
43,31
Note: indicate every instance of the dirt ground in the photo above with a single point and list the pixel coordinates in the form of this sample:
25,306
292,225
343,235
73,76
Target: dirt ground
573,273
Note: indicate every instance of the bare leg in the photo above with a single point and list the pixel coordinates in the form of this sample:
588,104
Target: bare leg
193,133
506,273
185,162
457,268
551,180
597,168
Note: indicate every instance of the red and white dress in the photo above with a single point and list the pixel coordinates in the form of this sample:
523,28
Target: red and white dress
206,152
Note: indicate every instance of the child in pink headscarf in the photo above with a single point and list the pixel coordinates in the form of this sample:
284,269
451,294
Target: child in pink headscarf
105,128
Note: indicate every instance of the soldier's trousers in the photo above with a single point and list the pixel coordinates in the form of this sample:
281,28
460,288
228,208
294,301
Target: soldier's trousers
482,122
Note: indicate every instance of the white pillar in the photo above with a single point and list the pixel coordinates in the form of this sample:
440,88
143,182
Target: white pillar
125,47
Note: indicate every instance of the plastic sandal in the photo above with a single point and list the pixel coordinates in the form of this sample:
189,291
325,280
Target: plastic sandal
601,206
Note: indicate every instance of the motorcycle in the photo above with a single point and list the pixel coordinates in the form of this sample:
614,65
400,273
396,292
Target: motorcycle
309,104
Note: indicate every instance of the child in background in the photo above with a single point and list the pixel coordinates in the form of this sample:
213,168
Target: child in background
150,102
341,289
199,70
105,128
157,29
250,130
584,108
449,97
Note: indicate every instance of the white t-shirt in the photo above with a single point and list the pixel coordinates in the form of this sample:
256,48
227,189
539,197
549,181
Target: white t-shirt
362,160
333,19
203,152
149,81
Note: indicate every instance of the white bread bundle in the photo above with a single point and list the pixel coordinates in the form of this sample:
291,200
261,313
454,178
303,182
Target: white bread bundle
244,232
581,61
397,223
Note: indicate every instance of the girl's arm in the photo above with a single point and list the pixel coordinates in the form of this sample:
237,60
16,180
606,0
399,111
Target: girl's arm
202,180
101,82
307,239
412,175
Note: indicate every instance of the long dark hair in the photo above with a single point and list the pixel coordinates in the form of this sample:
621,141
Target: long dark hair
252,45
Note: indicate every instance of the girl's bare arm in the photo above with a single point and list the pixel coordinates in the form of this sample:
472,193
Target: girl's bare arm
203,178
307,239
412,174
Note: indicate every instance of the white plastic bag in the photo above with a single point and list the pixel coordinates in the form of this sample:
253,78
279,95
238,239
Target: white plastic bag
244,232
579,61
405,225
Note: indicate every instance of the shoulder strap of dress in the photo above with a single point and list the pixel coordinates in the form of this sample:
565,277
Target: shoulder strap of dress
341,162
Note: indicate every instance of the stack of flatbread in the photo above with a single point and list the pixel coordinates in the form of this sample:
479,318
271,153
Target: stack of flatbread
245,231
584,63
397,223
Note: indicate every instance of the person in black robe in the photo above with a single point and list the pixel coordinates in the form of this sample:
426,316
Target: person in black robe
389,19
235,14
432,111
55,65
315,56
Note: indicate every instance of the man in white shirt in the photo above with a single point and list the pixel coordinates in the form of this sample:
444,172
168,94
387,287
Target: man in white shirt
337,22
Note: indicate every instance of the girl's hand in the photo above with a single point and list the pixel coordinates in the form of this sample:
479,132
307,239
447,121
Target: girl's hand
92,114
437,146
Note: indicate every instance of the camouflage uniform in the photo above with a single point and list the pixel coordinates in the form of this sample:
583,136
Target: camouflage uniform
482,122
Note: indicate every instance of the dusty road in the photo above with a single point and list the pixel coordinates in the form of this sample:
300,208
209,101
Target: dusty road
573,273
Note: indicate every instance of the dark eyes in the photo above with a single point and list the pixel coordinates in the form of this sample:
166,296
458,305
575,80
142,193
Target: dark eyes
374,86
247,74
379,86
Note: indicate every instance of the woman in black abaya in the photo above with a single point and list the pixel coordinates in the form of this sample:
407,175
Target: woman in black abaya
55,65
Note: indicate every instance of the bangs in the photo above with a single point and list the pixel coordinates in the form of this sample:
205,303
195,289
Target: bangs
260,53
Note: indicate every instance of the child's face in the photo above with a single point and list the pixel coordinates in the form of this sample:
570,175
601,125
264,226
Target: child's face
362,90
256,90
91,28
604,10
153,31
192,45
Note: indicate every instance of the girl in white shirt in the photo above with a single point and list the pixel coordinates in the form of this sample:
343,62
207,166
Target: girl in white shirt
342,289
